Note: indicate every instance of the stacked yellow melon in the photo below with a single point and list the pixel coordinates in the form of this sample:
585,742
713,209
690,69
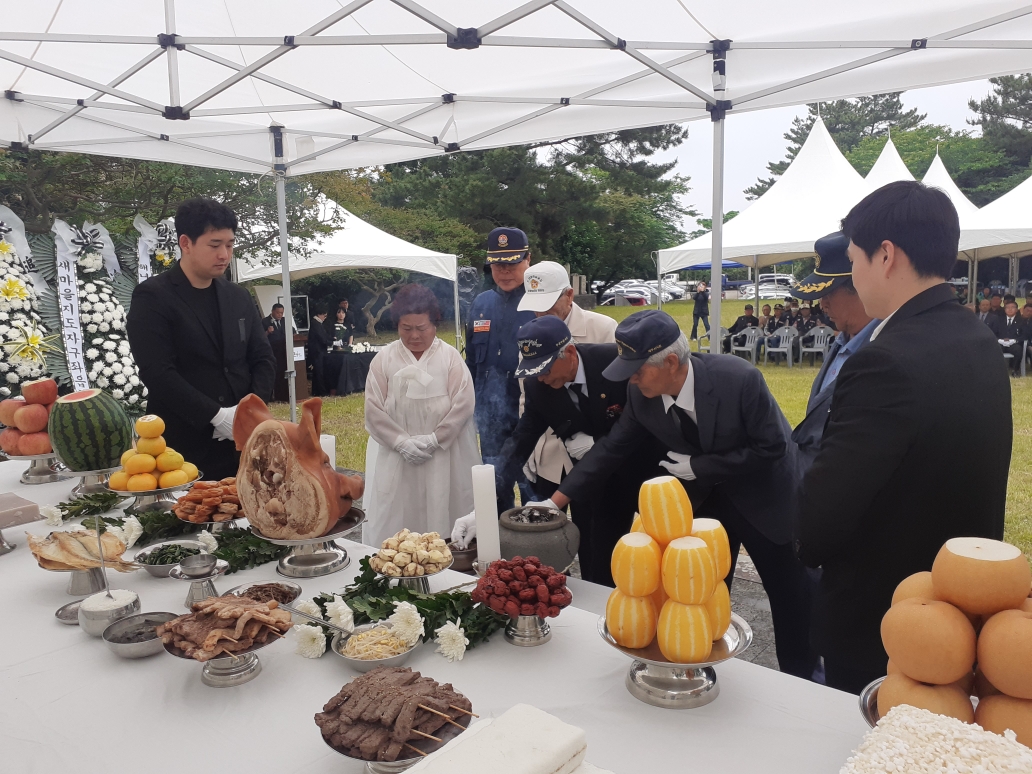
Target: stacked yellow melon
972,607
151,463
669,573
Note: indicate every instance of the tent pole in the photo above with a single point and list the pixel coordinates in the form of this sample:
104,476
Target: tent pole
974,276
458,322
716,260
281,208
659,281
756,282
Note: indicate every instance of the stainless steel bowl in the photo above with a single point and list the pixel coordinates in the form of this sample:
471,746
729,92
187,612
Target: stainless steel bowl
131,625
199,565
94,622
293,588
869,702
360,665
162,570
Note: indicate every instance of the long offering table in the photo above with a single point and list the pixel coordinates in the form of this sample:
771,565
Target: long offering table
68,704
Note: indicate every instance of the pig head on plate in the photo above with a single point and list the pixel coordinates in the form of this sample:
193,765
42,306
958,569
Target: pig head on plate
288,491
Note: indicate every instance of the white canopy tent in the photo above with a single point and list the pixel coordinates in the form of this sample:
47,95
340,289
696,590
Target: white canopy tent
889,168
361,245
805,203
259,86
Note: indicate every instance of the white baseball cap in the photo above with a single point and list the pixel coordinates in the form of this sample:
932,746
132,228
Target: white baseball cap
544,283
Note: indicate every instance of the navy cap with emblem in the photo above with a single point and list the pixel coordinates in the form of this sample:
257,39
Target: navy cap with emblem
506,245
832,269
639,337
540,342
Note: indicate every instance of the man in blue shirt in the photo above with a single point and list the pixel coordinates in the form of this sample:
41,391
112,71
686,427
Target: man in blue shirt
831,282
492,353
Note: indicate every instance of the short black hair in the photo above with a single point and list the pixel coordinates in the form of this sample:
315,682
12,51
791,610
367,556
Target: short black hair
1010,301
921,220
1008,298
748,306
195,217
276,306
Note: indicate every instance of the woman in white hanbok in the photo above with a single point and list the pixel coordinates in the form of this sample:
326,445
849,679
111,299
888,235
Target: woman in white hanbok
419,414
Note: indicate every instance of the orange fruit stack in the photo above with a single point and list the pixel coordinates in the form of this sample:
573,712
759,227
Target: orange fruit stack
151,464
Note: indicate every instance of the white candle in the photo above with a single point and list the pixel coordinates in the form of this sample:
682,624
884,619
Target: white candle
485,505
329,445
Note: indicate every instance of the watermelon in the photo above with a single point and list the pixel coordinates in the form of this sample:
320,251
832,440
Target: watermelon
89,430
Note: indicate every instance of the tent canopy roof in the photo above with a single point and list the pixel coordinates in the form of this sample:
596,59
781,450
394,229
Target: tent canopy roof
807,202
375,81
889,168
358,245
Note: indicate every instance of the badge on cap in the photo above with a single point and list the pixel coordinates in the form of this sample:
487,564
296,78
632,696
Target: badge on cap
503,240
534,283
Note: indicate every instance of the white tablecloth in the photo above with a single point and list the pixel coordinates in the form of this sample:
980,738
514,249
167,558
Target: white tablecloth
69,704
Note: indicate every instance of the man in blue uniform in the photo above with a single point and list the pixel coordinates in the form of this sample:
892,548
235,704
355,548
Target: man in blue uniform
491,350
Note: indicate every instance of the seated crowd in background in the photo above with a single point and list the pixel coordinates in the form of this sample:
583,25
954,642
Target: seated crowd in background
803,318
1012,328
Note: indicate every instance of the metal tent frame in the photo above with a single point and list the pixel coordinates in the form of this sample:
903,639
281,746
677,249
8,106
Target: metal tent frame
660,81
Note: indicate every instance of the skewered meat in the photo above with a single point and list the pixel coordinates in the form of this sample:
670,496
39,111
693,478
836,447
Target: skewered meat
374,716
286,487
223,625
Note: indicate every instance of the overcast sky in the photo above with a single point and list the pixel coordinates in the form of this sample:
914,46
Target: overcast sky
753,139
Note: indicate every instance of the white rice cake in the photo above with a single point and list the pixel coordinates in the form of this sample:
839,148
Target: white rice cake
915,741
523,740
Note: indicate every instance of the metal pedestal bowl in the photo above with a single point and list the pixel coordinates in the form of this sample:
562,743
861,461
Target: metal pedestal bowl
92,481
445,733
200,588
528,631
43,468
228,671
315,557
153,499
82,583
419,583
661,683
5,547
869,702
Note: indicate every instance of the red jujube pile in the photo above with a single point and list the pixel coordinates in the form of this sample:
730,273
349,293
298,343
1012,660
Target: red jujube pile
519,586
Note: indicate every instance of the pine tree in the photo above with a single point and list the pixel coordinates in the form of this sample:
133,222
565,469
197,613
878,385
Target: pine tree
849,121
1005,118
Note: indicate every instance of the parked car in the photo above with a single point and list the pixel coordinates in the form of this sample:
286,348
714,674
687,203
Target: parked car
769,291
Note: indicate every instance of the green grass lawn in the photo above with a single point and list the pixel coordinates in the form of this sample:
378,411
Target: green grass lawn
343,417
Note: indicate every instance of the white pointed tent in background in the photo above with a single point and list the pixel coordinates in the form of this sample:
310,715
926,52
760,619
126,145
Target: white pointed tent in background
361,245
939,177
807,202
889,168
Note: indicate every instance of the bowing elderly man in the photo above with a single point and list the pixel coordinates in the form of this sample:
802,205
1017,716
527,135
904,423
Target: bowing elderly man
567,394
728,442
549,292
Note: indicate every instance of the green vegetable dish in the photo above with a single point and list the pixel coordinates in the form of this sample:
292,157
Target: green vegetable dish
170,554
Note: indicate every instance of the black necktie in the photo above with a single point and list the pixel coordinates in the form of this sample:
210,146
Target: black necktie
582,401
689,430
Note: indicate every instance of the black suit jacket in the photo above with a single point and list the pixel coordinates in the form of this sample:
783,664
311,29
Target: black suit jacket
279,332
1017,330
318,340
891,483
189,372
743,322
547,408
744,437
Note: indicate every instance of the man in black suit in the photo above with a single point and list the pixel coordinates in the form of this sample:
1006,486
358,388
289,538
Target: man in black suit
890,483
744,321
1012,328
728,442
275,326
319,342
199,342
567,393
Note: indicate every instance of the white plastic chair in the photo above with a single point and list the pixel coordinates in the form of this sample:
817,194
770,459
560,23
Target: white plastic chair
750,344
785,336
822,336
706,347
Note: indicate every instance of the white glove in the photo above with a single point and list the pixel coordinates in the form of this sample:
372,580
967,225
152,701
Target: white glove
465,530
679,465
411,452
223,424
427,443
543,504
579,444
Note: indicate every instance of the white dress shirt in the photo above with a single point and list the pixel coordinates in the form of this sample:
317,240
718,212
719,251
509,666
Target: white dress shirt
579,381
686,397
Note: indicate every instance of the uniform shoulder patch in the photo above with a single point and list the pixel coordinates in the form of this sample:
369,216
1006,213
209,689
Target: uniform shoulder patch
481,326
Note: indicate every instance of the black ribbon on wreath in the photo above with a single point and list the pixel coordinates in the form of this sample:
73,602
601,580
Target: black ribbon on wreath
5,229
167,238
86,240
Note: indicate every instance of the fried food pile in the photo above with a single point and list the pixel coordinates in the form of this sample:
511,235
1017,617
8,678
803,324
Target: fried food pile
375,715
78,551
411,554
221,626
210,501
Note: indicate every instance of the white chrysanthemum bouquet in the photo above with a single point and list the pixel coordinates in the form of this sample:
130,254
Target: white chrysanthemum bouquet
23,340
